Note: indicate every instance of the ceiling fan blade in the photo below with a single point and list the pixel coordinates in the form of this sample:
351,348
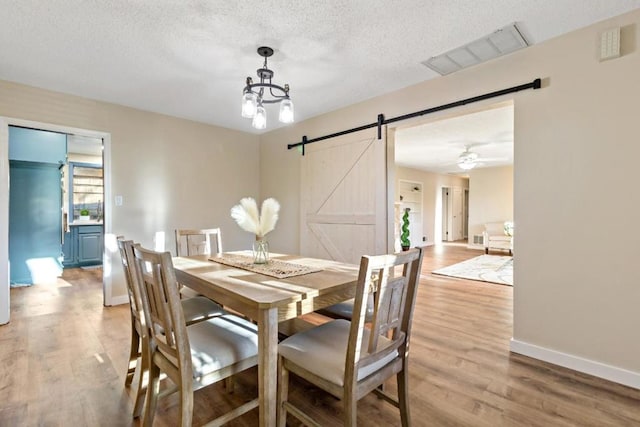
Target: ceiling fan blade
492,159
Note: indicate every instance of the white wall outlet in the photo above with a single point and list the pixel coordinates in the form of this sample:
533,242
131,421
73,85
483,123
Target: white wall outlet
118,200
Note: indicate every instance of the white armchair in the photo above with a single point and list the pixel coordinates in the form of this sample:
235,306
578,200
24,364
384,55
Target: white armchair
498,235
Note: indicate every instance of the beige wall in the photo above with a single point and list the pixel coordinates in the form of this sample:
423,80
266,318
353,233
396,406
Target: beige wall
576,144
576,282
431,195
172,173
490,197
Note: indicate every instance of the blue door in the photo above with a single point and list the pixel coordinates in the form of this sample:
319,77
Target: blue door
35,226
35,204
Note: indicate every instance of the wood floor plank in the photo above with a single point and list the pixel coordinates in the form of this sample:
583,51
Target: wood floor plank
63,359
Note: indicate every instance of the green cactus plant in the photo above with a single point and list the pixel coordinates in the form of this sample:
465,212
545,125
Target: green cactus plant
404,236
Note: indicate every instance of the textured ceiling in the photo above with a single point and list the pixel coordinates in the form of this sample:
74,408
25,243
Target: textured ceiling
190,58
435,147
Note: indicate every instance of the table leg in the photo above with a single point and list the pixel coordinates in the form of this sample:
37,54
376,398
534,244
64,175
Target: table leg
268,365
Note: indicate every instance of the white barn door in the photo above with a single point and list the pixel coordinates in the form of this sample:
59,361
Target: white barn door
344,197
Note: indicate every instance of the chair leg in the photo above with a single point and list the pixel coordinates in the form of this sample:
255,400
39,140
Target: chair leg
283,393
152,395
143,380
350,410
403,396
134,352
186,401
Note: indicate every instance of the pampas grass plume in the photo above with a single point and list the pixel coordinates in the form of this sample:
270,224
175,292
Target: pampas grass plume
249,219
268,216
246,215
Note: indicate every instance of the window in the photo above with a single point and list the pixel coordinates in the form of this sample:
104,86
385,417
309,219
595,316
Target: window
86,189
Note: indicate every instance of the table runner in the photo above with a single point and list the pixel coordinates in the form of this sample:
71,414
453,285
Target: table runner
275,268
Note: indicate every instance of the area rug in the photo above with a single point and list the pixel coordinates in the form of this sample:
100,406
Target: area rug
485,268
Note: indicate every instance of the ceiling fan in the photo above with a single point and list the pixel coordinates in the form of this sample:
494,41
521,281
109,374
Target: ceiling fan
468,159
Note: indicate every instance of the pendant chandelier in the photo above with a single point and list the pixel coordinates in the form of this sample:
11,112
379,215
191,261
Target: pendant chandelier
255,95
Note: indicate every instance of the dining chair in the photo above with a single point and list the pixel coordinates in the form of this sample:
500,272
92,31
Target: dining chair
198,242
191,356
194,309
206,241
137,361
349,360
344,310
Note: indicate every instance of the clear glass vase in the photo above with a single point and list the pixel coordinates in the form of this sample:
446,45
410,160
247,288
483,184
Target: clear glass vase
260,251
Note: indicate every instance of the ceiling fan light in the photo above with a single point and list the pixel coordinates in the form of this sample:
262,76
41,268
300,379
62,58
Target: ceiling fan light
467,160
466,164
260,118
286,111
249,104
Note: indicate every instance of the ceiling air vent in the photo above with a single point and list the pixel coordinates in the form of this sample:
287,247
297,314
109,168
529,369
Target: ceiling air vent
501,42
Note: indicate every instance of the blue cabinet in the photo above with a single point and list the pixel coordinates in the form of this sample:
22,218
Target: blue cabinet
68,249
89,244
83,246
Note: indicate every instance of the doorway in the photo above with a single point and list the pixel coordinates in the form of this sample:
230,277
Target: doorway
454,217
5,122
55,204
444,217
437,152
83,207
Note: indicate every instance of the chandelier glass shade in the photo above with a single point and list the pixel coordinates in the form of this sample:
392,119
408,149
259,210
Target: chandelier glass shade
255,95
249,104
259,118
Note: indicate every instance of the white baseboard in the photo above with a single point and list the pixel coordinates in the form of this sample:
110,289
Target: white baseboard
597,369
120,299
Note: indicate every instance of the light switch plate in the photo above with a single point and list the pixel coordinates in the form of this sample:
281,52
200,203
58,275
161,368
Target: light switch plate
118,200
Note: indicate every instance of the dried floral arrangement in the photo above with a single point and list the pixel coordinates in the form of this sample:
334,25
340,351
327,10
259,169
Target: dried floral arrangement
261,222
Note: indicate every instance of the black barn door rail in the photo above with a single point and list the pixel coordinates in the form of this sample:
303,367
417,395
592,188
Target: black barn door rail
536,84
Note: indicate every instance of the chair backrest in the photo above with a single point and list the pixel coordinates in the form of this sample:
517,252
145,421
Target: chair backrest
161,303
135,298
394,295
494,228
207,241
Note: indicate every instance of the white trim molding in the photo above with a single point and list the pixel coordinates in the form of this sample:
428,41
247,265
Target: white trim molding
119,299
597,369
4,222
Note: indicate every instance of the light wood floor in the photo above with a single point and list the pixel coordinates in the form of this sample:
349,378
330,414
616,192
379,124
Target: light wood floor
63,359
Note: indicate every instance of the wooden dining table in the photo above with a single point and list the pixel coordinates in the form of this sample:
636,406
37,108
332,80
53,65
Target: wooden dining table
270,302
